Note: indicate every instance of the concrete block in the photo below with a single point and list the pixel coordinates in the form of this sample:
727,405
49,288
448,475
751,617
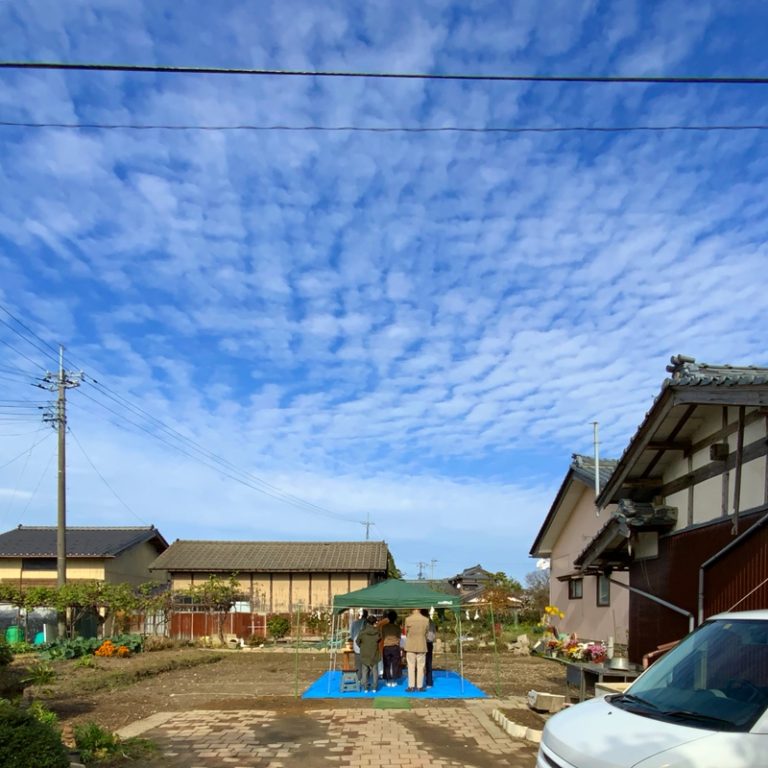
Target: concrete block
545,702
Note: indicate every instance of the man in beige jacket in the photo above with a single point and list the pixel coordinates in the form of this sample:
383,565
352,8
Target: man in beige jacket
416,627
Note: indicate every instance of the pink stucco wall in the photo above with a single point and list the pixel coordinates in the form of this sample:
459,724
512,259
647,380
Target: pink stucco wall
583,616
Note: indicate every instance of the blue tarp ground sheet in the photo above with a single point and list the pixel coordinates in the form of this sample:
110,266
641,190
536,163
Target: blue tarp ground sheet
448,685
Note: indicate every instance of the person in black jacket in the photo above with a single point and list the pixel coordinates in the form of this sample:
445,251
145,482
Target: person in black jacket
368,640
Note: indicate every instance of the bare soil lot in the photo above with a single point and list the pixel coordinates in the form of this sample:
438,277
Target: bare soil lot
115,692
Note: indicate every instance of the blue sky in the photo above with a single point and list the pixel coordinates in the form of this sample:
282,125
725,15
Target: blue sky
415,327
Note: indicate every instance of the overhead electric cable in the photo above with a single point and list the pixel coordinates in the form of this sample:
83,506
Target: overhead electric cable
176,435
53,351
498,129
28,450
301,504
103,479
37,487
261,486
21,354
467,77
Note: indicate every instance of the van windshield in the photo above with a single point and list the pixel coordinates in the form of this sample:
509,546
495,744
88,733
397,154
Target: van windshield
717,678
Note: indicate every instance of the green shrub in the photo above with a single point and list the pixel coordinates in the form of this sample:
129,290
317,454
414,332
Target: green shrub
23,647
98,745
76,647
6,655
39,674
27,741
278,626
87,662
43,714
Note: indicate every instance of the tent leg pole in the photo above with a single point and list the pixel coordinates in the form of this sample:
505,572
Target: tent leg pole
461,655
332,655
495,652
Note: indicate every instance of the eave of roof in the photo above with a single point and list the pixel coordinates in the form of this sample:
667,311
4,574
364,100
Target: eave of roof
688,381
82,541
186,556
581,471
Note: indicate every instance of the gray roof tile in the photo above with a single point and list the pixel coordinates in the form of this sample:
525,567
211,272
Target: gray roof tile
40,541
686,372
274,556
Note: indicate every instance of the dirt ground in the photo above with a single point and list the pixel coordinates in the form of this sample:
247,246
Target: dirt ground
116,692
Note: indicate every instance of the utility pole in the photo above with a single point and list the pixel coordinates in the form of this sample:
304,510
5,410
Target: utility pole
367,525
421,570
60,382
432,569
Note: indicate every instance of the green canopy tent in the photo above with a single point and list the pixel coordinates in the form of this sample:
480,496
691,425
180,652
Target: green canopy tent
395,593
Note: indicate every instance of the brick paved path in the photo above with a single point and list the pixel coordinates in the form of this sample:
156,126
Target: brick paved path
445,737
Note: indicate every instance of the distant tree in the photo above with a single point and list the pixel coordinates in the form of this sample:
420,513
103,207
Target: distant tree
500,579
537,589
218,596
393,572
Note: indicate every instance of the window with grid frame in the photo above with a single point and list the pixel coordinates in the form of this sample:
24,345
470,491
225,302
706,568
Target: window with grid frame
575,589
603,590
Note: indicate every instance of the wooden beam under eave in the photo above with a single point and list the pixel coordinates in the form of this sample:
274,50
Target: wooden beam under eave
755,398
644,482
725,431
668,445
753,451
672,435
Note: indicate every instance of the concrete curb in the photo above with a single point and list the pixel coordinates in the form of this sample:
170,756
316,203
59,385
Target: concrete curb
515,730
140,726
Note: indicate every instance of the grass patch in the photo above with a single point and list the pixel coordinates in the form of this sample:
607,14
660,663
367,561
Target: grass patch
392,702
120,678
98,746
90,681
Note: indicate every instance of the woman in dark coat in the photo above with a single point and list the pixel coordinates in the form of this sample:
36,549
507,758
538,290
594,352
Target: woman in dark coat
368,640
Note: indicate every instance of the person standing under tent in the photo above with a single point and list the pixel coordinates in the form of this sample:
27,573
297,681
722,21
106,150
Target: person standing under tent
354,631
368,640
390,634
431,635
416,628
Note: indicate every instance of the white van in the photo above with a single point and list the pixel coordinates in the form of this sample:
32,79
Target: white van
704,704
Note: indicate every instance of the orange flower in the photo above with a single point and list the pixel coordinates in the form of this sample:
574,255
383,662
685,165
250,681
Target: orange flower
123,651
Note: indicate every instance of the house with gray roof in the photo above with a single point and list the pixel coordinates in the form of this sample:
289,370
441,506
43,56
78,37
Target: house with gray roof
116,555
274,576
593,609
688,503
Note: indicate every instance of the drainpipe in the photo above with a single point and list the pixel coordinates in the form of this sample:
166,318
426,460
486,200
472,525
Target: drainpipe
595,425
724,551
675,608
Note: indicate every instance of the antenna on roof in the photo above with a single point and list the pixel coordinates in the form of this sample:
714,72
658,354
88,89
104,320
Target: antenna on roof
595,427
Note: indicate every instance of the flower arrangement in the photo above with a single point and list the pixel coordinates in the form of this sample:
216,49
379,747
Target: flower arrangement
552,612
572,650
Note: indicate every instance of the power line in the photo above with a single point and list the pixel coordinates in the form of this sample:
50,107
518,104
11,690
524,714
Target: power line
287,498
37,487
104,480
204,455
28,450
21,354
53,351
500,130
467,77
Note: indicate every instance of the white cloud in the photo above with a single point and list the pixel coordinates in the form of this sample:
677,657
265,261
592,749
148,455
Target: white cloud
417,326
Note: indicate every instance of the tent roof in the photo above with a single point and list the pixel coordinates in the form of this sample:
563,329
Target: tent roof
394,593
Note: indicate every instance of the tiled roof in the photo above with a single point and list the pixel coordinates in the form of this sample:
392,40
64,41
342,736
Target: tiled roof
686,372
273,556
584,469
40,541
